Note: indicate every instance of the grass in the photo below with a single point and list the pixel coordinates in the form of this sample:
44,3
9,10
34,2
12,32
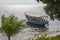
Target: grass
45,37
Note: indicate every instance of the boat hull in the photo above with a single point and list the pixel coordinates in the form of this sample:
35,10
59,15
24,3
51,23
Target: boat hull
32,21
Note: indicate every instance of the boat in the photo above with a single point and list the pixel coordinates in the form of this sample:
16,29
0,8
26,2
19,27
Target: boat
36,19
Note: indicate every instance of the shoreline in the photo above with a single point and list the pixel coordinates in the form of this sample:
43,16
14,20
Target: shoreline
31,32
50,34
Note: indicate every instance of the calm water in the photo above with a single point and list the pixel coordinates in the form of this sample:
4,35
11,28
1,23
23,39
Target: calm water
19,10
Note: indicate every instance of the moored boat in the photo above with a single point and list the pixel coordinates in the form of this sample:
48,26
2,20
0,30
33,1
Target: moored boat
36,19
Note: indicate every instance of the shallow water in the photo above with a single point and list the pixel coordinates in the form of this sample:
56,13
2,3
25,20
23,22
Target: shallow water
19,10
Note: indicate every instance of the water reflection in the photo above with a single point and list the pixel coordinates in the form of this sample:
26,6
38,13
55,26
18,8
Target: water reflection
37,28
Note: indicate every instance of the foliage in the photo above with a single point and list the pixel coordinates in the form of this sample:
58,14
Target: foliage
52,8
11,25
45,37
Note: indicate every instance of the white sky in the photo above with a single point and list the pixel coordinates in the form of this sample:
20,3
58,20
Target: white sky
19,2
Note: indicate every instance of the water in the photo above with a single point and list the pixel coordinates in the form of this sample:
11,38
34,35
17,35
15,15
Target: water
19,10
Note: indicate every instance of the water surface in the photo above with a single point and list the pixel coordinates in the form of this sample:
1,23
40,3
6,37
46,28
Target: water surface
19,10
